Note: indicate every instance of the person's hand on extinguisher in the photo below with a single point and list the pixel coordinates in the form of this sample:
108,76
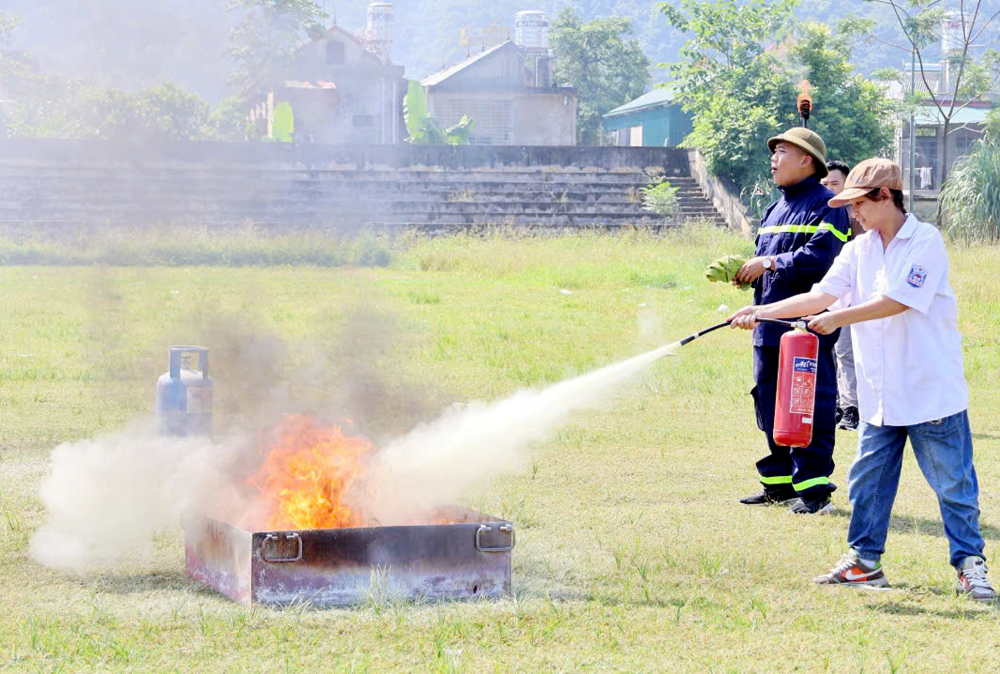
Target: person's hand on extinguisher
824,323
745,318
810,305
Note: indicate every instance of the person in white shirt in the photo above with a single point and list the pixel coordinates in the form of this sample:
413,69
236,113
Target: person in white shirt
892,283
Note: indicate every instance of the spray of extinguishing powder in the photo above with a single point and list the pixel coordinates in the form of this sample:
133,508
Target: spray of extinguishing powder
107,498
437,461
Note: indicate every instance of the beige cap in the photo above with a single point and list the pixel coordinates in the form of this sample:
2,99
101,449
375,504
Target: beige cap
869,175
804,139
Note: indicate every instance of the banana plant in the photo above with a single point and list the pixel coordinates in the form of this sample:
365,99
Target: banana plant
424,129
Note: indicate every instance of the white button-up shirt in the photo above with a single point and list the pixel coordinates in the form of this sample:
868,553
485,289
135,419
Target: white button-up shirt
909,366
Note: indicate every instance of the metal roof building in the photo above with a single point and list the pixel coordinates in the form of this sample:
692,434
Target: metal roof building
652,120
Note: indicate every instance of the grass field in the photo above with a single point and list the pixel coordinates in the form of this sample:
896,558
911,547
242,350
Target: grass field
633,553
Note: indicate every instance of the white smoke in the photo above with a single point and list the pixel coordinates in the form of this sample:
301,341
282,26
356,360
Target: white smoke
106,498
434,463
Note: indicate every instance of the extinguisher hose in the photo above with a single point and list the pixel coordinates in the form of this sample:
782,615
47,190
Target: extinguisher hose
696,335
775,321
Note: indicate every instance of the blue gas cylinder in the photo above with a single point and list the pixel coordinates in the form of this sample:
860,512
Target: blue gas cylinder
184,395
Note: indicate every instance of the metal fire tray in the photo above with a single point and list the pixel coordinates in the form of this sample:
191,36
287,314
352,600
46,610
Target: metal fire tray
334,567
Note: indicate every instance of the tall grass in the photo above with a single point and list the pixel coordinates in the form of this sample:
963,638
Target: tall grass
971,195
201,246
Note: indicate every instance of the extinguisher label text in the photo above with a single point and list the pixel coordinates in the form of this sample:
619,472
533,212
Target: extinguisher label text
803,396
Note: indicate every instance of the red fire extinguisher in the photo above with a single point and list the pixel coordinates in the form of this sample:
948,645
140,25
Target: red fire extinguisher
796,401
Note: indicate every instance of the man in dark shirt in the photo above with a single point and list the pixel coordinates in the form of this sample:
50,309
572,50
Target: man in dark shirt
798,239
847,384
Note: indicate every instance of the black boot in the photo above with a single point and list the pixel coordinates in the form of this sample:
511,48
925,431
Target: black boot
849,422
770,496
821,506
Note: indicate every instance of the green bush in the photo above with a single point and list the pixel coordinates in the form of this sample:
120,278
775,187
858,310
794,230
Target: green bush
661,199
971,195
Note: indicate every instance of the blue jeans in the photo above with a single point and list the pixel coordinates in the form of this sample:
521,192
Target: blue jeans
943,449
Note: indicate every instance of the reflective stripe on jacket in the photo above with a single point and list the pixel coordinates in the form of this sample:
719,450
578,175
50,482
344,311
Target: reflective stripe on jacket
804,235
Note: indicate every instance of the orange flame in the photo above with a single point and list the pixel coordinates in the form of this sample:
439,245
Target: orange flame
804,101
307,473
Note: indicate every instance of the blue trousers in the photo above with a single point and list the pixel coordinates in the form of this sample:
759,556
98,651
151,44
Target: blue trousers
943,449
806,469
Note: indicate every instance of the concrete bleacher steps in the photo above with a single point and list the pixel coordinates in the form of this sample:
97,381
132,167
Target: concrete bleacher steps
50,196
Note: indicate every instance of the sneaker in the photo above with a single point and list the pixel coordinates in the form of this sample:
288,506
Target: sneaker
769,496
853,572
849,420
802,506
972,580
838,415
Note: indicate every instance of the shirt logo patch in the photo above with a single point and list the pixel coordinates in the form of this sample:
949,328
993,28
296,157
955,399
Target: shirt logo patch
917,276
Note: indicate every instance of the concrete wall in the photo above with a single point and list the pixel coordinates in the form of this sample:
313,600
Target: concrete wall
498,93
58,189
28,153
539,117
545,119
366,108
728,205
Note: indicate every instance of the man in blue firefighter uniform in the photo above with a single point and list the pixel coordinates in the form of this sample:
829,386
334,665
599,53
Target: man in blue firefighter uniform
798,239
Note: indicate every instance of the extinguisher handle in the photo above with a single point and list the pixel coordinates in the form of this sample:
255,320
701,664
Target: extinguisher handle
800,324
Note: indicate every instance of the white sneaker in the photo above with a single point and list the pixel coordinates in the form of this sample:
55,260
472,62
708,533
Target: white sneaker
972,580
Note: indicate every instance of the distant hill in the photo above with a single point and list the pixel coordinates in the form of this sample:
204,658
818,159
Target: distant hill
131,44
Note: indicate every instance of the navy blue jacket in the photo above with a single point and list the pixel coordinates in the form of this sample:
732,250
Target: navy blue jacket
804,235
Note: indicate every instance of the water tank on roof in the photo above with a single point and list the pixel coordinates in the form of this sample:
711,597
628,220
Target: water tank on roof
531,30
952,35
379,27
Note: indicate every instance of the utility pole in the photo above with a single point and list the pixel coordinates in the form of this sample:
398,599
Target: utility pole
913,132
3,120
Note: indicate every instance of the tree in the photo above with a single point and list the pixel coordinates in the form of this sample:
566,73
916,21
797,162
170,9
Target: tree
35,103
853,115
228,121
972,72
738,74
54,106
8,23
606,67
737,91
264,41
8,65
163,113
